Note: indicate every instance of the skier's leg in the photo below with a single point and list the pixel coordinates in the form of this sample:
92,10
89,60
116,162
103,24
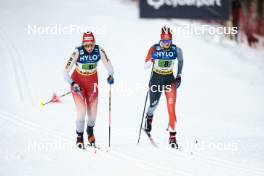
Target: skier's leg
154,96
92,110
171,94
92,102
80,118
80,103
81,112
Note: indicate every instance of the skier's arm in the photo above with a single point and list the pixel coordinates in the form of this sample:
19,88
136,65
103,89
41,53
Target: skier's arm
71,62
148,59
180,62
107,63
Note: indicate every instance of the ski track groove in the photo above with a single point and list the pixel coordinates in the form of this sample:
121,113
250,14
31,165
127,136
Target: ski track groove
34,127
209,163
19,89
138,163
164,169
20,74
31,125
218,162
117,155
207,160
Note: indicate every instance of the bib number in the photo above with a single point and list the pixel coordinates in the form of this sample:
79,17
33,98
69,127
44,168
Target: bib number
88,66
164,63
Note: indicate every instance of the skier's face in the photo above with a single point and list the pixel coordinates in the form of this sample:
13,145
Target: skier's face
89,47
166,43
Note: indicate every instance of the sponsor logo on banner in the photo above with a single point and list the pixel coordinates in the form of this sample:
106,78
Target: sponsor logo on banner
174,3
190,9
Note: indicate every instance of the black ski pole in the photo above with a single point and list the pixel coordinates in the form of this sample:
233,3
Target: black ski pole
142,117
109,117
146,99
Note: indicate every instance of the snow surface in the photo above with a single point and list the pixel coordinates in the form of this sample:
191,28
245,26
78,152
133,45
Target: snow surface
220,100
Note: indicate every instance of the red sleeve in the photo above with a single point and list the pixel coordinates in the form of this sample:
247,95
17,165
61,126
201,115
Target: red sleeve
148,57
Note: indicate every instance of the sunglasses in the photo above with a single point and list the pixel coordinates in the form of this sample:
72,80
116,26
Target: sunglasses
88,45
166,41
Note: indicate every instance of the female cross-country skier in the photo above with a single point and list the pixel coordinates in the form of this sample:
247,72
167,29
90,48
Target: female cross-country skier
164,56
83,82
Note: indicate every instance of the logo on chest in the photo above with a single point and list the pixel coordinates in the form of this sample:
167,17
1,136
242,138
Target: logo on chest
162,54
89,58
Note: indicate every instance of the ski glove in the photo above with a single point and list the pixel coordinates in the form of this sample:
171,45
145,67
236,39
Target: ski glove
110,79
178,81
75,87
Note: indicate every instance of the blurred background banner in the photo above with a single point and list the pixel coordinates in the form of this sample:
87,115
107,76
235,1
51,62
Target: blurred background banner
195,9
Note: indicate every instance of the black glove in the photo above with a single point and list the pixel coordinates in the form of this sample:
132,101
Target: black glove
178,81
110,79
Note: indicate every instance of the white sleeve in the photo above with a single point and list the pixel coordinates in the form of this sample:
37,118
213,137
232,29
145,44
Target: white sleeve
71,62
107,63
147,64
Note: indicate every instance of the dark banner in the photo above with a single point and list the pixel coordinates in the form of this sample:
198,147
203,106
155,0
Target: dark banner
189,9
